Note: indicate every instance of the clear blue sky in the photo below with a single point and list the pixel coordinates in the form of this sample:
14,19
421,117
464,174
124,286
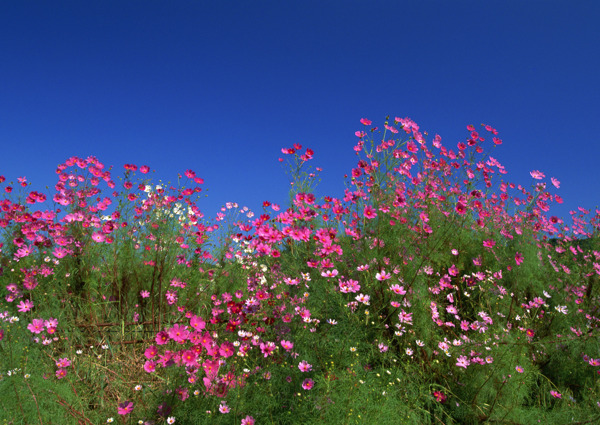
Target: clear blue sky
221,86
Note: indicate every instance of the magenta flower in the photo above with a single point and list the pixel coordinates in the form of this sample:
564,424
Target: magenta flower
61,373
144,294
125,408
179,333
197,323
556,394
151,352
518,258
268,348
162,338
489,243
369,212
149,366
189,358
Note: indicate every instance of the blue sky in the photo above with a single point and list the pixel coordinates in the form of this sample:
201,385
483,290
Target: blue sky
220,87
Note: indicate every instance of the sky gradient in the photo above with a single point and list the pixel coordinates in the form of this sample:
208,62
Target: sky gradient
220,87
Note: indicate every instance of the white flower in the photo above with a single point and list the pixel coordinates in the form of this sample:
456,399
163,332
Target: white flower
171,420
562,309
109,420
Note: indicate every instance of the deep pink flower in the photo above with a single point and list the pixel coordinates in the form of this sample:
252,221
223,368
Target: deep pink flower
369,212
61,373
518,258
151,352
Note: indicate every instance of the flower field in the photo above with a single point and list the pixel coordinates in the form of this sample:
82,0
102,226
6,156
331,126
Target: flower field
432,291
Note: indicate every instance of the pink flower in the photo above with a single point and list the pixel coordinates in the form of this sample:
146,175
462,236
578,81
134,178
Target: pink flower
223,408
304,366
365,121
248,420
98,237
489,243
65,362
287,345
398,290
144,294
308,384
36,326
125,408
556,394
555,182
61,373
25,306
463,361
382,276
538,175
519,369
60,252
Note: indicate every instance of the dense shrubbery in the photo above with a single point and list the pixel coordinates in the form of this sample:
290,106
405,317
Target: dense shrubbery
431,291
